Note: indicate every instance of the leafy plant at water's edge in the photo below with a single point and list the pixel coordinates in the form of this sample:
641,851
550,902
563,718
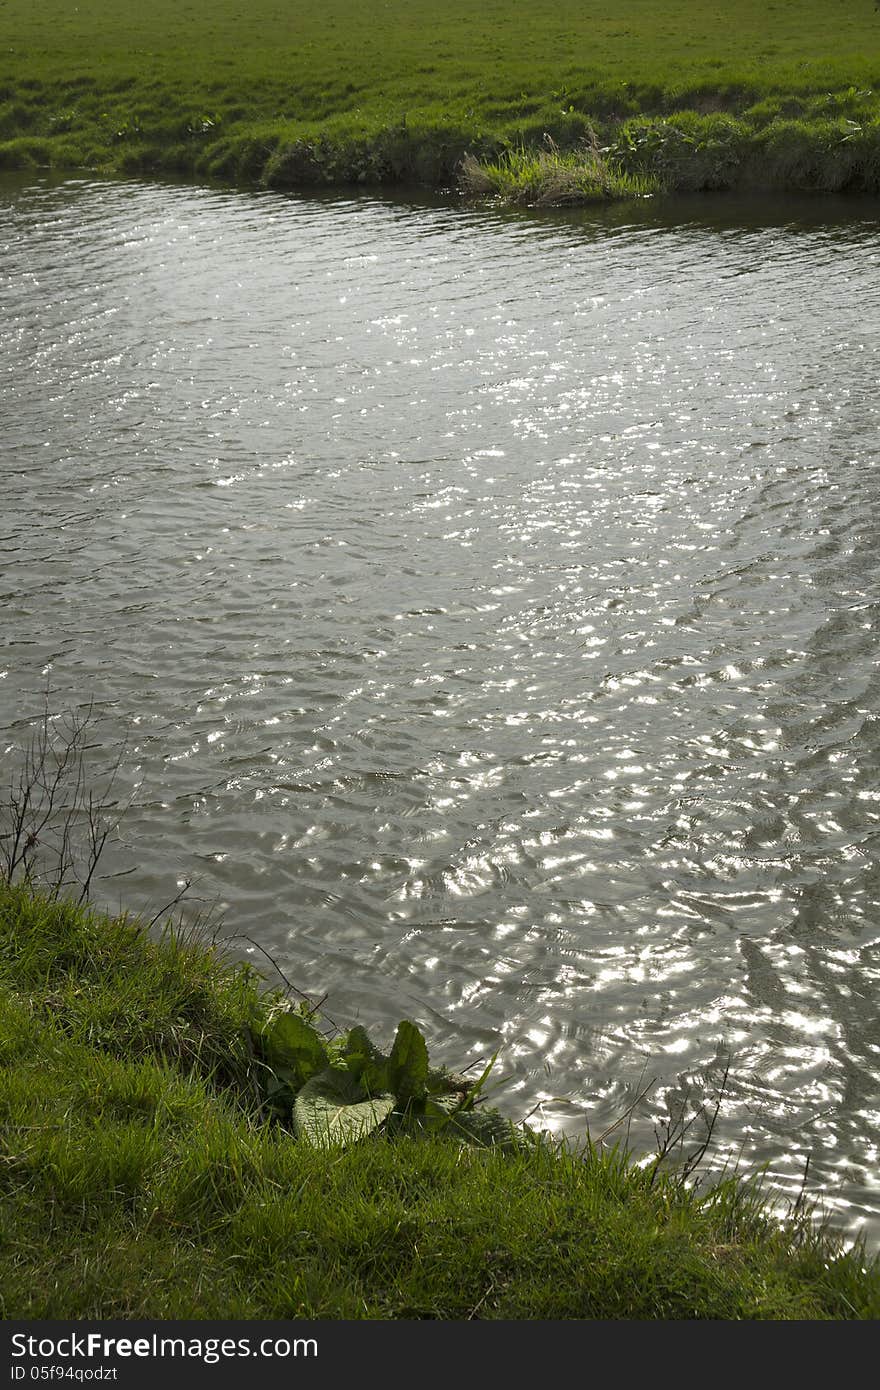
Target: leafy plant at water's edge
335,1092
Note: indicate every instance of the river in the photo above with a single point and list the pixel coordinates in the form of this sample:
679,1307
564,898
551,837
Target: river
489,602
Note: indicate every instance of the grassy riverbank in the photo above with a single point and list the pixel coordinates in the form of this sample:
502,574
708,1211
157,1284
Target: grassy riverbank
679,96
139,1180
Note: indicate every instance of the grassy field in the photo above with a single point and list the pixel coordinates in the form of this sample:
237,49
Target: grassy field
139,1180
692,94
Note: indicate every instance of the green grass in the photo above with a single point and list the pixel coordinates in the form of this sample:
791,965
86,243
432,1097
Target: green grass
551,177
290,93
138,1181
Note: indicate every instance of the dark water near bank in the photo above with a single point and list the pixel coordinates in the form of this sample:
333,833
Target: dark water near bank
492,604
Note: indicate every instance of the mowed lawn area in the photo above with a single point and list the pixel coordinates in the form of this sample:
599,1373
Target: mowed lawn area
498,59
404,88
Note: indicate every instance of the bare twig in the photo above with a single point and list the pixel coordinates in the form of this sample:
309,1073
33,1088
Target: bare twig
800,1197
628,1112
695,1158
169,906
242,936
672,1132
60,812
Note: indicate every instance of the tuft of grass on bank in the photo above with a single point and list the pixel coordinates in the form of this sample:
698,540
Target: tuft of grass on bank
139,1179
551,177
692,94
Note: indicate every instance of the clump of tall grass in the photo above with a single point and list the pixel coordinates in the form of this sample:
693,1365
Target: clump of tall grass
686,151
827,155
692,151
550,177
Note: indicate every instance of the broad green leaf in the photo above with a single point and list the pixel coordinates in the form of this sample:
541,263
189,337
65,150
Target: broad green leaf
282,1079
358,1051
483,1128
408,1064
375,1078
365,1062
293,1045
331,1110
442,1106
442,1082
437,1113
280,1090
480,1128
422,1118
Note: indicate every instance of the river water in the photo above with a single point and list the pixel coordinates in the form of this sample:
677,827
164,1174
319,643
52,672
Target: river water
490,604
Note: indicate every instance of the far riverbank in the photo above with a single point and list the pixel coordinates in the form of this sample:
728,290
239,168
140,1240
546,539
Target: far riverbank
559,105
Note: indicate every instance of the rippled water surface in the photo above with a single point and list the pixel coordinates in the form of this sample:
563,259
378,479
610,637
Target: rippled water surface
491,603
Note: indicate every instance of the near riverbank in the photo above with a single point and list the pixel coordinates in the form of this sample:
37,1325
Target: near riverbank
143,1177
557,102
